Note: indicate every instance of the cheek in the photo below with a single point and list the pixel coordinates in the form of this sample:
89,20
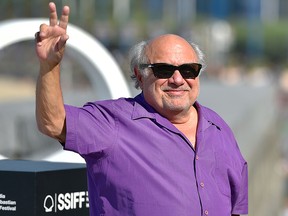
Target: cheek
195,88
151,84
194,83
152,89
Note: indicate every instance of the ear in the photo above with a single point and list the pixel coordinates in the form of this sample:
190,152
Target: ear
138,76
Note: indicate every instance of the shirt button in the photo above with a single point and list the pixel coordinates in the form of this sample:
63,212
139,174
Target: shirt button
202,184
197,157
206,212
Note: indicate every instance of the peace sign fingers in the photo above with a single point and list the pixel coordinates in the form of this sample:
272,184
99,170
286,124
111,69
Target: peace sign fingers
51,39
53,14
64,17
54,18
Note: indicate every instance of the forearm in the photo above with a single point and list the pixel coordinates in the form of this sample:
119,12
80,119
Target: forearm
50,112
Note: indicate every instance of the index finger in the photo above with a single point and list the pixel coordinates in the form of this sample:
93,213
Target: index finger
53,19
64,17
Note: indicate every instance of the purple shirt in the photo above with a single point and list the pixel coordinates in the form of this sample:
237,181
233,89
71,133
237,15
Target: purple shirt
139,163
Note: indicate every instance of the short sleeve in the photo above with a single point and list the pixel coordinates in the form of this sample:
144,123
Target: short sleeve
89,129
240,200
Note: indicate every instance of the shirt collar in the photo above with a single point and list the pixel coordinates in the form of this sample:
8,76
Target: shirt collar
207,117
143,110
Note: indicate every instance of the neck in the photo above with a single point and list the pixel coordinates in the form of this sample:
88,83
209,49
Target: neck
188,126
183,117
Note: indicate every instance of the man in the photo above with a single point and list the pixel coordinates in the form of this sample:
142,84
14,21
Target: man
160,153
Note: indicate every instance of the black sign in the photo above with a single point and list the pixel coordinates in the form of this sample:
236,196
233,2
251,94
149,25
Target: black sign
35,188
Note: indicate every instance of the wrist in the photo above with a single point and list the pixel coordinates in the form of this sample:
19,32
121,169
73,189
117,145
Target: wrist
46,68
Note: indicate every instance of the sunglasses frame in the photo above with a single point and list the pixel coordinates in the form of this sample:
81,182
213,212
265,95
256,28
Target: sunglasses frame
172,68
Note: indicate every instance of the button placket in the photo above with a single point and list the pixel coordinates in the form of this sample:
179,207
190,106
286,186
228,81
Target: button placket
201,184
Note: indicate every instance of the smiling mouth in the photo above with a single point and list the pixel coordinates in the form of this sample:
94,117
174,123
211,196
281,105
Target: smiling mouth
175,92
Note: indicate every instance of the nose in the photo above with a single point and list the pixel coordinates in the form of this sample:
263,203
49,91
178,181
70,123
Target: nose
176,78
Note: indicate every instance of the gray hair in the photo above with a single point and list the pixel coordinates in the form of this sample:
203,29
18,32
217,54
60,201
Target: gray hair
137,56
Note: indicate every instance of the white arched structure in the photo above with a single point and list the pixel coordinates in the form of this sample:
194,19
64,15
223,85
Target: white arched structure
102,69
114,85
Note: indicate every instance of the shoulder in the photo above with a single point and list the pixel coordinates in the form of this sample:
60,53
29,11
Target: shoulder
110,107
111,103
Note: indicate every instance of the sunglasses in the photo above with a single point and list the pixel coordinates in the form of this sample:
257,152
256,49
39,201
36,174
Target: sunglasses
165,71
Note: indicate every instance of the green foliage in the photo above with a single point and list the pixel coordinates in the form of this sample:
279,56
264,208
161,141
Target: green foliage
276,40
273,39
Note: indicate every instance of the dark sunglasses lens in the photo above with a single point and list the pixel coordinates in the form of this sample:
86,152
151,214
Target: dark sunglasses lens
190,71
163,71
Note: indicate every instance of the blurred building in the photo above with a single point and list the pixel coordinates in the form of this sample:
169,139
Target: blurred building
119,24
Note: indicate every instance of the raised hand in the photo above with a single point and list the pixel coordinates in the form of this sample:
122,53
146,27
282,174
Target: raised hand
51,39
50,45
